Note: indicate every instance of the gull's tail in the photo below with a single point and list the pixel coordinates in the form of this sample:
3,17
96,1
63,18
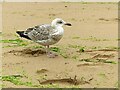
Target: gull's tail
21,34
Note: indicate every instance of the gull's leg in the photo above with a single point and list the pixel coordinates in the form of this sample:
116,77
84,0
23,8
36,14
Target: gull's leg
50,54
47,49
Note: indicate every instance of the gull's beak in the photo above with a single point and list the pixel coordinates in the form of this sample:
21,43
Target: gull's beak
68,24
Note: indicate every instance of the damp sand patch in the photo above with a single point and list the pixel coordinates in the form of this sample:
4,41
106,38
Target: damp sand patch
28,52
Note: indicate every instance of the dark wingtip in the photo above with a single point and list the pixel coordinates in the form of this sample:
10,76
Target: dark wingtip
18,32
21,34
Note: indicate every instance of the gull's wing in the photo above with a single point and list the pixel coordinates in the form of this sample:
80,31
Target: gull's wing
39,32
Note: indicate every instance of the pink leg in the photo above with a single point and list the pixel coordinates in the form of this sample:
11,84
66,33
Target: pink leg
50,54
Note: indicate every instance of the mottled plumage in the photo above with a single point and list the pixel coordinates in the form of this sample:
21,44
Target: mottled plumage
40,32
45,34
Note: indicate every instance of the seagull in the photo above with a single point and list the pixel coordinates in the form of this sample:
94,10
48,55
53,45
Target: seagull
45,34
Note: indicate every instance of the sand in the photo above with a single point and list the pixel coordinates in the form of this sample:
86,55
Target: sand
88,56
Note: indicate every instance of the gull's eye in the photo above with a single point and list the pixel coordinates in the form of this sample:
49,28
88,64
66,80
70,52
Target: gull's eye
60,22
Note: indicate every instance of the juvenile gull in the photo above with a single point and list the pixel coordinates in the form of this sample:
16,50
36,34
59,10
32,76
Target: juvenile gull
45,34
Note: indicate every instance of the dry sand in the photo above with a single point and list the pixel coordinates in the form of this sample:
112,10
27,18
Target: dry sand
94,26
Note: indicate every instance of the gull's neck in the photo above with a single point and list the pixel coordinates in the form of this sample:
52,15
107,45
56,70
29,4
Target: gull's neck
56,26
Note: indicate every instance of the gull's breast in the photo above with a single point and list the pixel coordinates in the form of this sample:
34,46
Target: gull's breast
56,36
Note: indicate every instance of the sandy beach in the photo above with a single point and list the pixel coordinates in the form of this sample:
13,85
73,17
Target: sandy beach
87,53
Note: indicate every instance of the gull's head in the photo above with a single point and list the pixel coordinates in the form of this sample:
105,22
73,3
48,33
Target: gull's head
59,22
